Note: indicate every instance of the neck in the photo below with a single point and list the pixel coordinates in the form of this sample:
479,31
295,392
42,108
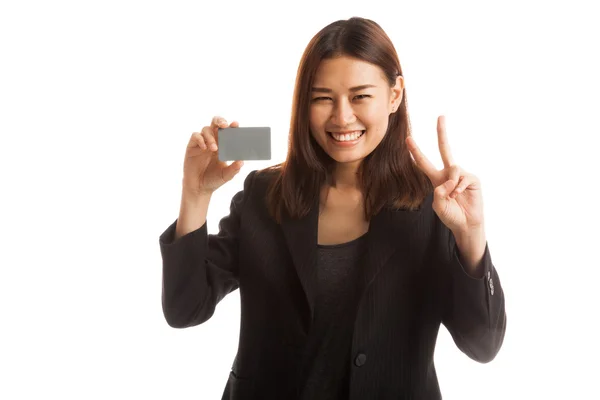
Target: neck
345,176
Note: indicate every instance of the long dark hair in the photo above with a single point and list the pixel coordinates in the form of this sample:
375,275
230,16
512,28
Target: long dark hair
388,176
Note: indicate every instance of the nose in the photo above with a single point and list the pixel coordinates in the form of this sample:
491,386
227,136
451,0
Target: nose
343,113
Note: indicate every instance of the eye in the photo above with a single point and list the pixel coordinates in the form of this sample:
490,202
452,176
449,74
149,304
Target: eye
362,96
321,98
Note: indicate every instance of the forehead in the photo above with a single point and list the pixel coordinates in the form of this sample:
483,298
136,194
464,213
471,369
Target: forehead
345,72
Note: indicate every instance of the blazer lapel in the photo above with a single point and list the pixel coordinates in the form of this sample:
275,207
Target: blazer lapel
302,238
389,231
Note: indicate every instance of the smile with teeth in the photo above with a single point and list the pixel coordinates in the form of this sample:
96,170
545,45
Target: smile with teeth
346,137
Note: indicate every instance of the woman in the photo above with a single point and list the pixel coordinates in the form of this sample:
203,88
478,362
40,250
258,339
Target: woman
350,254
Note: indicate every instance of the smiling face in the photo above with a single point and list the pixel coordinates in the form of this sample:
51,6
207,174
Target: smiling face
351,101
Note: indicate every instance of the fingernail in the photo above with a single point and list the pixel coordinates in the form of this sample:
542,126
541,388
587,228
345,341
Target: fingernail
213,147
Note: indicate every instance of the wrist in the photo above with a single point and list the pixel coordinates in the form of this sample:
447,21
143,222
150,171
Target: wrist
471,248
195,196
470,236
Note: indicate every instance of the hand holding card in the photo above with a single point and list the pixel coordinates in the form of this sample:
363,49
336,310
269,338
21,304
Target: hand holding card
203,172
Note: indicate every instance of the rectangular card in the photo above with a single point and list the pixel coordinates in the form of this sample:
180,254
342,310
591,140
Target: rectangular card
244,143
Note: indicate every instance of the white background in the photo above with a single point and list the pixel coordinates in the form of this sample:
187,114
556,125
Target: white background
97,103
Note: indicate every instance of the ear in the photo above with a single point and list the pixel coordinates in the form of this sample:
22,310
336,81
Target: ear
397,92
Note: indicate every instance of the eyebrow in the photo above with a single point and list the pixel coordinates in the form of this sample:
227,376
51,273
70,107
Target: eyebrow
352,89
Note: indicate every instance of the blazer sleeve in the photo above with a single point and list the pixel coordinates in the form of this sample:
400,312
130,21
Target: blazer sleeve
473,309
200,269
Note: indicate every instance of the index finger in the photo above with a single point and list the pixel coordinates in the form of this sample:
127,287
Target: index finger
422,161
218,122
223,124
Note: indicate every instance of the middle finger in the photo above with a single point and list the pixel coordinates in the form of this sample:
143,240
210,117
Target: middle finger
443,142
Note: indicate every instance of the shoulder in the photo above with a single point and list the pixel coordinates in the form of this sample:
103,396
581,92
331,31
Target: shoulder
260,179
257,182
267,175
255,194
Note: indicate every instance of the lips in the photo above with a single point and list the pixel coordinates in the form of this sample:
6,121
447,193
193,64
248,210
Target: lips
346,136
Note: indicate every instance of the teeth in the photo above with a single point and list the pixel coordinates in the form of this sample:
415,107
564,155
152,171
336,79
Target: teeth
347,136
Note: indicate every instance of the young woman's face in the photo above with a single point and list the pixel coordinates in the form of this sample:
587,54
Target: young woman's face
350,106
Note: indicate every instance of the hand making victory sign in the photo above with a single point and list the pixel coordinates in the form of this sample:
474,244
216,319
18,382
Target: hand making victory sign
457,197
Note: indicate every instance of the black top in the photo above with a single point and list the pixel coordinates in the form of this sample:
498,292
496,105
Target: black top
331,334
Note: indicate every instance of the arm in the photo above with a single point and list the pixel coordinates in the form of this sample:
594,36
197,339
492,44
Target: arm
199,269
471,250
472,296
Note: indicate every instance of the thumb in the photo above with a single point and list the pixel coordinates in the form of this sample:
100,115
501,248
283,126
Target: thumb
232,170
443,191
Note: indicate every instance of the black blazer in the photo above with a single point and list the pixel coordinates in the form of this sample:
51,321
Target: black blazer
411,282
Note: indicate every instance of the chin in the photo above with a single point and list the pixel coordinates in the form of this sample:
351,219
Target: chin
347,158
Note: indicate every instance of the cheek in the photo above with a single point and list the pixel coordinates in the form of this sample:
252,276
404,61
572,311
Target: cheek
318,114
374,111
315,123
376,118
317,118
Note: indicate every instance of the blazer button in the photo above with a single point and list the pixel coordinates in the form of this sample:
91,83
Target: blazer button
360,359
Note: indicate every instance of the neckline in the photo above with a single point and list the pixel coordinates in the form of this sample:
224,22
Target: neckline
338,245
